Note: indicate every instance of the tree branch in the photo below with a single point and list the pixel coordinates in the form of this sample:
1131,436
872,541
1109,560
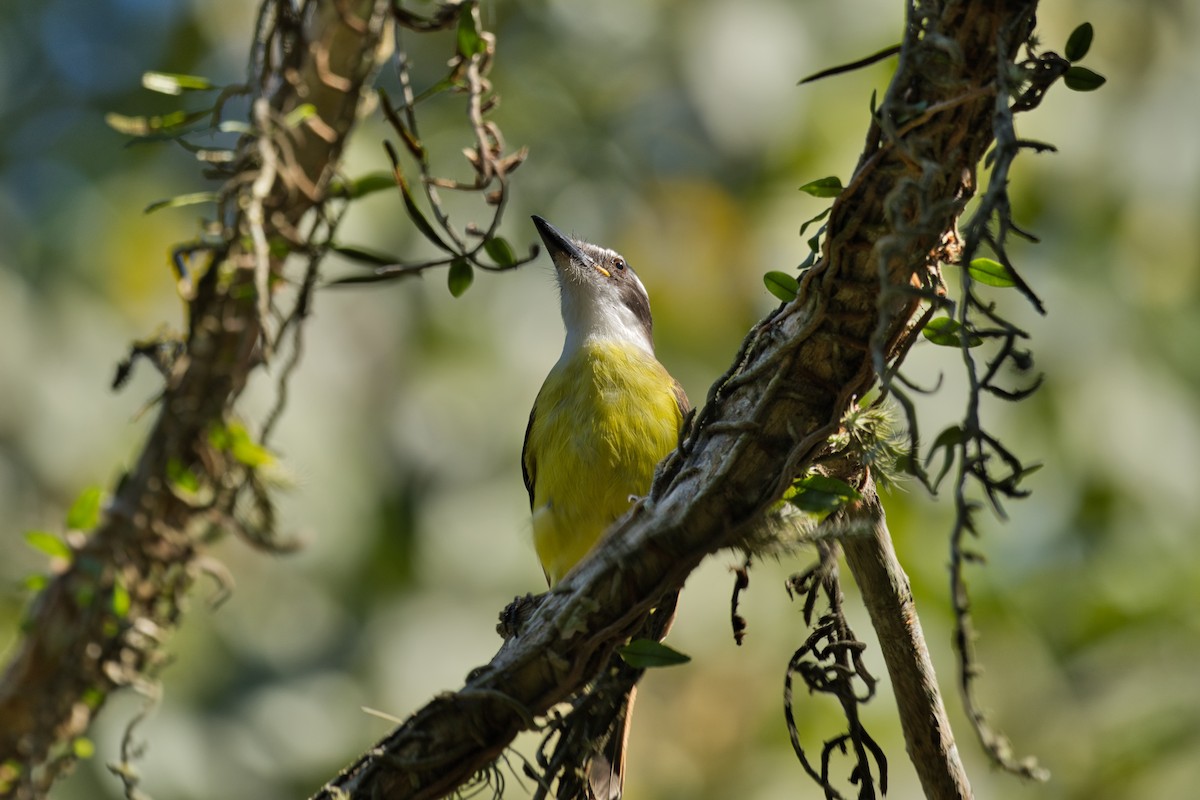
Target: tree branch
79,643
888,598
766,421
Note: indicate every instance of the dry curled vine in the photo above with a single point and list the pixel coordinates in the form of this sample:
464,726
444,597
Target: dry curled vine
830,661
977,456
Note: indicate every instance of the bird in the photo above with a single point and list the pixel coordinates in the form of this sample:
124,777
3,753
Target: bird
606,415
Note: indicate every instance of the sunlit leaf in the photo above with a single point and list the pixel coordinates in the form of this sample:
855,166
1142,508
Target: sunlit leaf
299,114
181,200
236,440
1082,79
174,84
823,187
782,285
249,452
1079,42
648,654
181,478
120,600
944,331
85,511
990,273
172,123
83,748
460,276
48,543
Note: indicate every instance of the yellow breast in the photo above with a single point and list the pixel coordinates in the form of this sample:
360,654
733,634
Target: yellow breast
604,418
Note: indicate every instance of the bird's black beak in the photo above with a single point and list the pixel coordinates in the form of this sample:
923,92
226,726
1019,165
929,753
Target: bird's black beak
557,244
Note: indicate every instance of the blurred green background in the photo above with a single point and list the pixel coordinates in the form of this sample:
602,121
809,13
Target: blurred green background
673,131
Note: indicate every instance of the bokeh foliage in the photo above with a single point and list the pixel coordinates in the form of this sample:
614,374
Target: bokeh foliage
674,132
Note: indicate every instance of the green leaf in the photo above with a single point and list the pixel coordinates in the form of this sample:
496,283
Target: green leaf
944,331
500,251
35,582
647,654
249,452
120,600
819,493
440,86
947,440
181,478
990,273
1079,42
299,114
84,513
93,698
823,187
365,255
83,748
149,126
469,41
460,276
415,213
48,543
782,285
236,440
1082,79
181,200
361,187
174,83
815,219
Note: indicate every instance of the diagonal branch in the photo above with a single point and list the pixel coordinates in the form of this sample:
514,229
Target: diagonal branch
765,421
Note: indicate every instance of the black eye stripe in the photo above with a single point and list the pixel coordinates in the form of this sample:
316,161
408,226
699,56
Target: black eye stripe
635,299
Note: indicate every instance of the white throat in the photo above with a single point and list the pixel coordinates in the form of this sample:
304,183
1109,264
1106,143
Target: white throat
590,319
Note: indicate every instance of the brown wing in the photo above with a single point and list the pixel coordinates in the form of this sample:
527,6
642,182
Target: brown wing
528,468
681,399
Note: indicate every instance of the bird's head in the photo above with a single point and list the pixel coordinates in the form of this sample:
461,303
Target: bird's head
602,297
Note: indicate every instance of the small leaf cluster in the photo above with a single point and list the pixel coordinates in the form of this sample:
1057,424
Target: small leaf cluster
948,332
83,516
782,284
462,252
1077,78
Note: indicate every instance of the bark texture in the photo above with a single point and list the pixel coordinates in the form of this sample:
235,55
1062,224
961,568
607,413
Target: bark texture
888,597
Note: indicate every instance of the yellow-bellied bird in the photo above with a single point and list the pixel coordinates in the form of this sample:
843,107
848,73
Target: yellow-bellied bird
607,413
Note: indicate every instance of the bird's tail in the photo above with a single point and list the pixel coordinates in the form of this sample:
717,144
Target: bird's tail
606,770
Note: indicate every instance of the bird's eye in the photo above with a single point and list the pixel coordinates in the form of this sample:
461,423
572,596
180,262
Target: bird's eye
619,263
